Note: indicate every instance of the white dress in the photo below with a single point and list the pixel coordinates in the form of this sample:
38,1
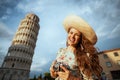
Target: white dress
68,58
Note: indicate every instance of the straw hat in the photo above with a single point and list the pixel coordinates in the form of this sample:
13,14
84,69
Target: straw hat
81,25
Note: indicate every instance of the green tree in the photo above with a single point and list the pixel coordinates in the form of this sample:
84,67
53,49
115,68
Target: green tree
34,77
47,76
40,77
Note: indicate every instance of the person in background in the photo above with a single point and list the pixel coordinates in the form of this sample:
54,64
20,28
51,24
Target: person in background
79,60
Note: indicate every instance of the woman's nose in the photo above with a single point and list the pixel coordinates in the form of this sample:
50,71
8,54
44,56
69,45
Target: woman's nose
72,35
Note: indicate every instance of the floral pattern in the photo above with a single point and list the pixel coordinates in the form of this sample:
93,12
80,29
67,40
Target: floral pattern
68,58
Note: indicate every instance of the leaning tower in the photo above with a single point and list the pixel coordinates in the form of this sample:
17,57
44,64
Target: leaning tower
17,63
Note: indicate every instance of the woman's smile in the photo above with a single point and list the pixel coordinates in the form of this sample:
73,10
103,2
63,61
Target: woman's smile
72,40
73,37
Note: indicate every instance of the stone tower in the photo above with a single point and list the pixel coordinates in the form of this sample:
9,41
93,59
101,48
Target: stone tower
17,63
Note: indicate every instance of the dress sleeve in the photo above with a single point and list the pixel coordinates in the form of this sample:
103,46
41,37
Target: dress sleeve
59,53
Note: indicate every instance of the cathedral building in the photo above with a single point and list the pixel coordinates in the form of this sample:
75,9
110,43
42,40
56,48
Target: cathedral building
17,62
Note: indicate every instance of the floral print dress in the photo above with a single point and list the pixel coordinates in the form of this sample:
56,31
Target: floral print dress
68,58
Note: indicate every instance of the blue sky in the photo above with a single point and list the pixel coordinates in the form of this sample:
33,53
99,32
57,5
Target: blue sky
102,15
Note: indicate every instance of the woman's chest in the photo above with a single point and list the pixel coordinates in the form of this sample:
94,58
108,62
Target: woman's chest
67,58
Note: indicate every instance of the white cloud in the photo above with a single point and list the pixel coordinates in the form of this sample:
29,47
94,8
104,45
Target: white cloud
101,33
5,32
86,10
4,17
8,11
30,6
36,68
62,42
39,64
5,37
115,32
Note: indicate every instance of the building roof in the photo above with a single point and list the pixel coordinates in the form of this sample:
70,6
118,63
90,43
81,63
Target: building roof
106,51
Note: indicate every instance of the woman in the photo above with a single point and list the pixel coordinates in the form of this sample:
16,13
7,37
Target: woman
79,61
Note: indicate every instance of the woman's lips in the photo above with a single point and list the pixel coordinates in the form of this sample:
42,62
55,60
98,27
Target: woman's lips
72,40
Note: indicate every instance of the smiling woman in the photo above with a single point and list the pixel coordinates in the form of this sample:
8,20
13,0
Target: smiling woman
73,37
79,60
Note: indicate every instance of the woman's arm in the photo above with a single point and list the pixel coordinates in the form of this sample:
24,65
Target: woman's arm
52,72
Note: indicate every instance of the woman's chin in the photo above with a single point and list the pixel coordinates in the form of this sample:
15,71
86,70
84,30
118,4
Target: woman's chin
71,45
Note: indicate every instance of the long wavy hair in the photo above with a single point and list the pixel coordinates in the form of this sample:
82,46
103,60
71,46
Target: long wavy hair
89,65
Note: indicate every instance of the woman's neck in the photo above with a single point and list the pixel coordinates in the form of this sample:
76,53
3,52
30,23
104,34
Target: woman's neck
71,48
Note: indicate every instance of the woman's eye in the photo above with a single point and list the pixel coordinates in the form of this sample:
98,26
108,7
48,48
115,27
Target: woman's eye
77,35
71,32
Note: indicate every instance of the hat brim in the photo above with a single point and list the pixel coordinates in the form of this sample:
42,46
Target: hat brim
81,25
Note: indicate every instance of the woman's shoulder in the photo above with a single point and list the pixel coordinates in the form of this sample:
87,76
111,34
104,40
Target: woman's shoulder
61,50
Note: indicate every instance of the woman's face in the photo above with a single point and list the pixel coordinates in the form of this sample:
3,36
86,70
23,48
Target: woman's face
73,37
